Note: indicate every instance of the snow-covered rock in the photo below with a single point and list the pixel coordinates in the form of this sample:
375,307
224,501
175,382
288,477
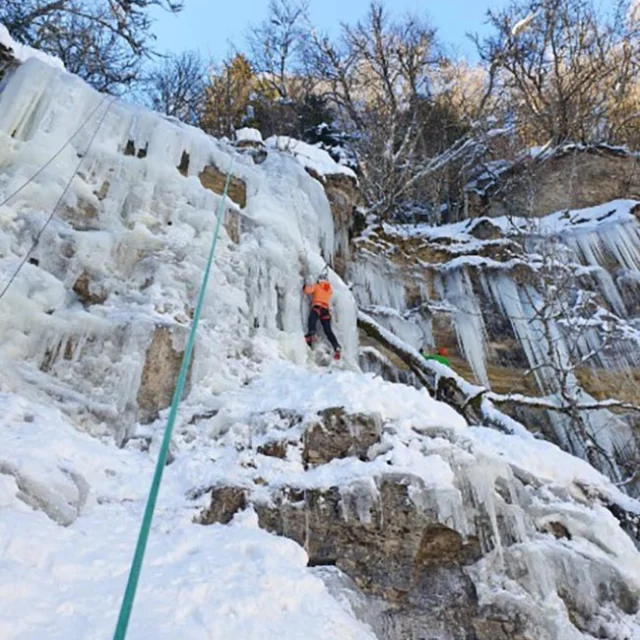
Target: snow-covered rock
247,134
314,158
475,287
440,527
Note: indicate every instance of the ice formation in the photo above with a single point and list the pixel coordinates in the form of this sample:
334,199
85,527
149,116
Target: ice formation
602,247
605,240
142,240
455,287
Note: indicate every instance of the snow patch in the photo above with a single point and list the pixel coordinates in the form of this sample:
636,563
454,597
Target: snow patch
23,52
309,156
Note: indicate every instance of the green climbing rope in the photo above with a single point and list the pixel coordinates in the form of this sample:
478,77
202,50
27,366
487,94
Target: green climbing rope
143,536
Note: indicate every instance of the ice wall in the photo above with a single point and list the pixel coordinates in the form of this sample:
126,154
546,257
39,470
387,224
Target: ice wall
603,244
136,232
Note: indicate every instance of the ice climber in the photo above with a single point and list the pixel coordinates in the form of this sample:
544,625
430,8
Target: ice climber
321,293
441,356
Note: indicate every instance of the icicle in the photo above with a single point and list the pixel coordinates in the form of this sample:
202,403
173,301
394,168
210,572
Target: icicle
623,241
359,498
378,283
455,287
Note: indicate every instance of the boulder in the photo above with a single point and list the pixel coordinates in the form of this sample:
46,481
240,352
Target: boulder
87,291
484,229
337,434
274,449
82,216
225,503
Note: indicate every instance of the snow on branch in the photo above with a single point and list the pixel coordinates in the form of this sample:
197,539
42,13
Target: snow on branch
551,404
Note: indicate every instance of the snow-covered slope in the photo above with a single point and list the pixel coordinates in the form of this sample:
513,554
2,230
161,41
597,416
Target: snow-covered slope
84,349
198,582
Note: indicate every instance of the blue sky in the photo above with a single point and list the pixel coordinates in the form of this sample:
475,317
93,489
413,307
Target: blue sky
211,25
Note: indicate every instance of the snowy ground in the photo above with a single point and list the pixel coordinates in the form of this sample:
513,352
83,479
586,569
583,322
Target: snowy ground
233,581
230,581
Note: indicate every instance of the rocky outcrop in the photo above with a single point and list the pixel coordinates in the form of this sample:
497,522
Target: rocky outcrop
396,553
335,434
88,292
255,149
225,503
477,288
414,557
213,179
572,177
83,215
344,197
159,375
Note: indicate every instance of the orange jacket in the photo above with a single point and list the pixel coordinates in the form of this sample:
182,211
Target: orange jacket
321,293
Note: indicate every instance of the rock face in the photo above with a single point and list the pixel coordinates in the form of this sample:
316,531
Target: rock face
214,180
344,197
395,553
159,375
418,556
573,178
477,288
338,435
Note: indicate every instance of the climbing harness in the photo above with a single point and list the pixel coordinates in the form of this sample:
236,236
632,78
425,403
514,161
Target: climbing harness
64,191
143,536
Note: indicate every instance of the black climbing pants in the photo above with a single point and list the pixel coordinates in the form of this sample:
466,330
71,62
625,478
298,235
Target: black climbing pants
324,315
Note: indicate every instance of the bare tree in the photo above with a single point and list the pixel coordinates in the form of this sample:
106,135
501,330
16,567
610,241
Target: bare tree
284,99
276,48
563,64
103,41
380,74
176,87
